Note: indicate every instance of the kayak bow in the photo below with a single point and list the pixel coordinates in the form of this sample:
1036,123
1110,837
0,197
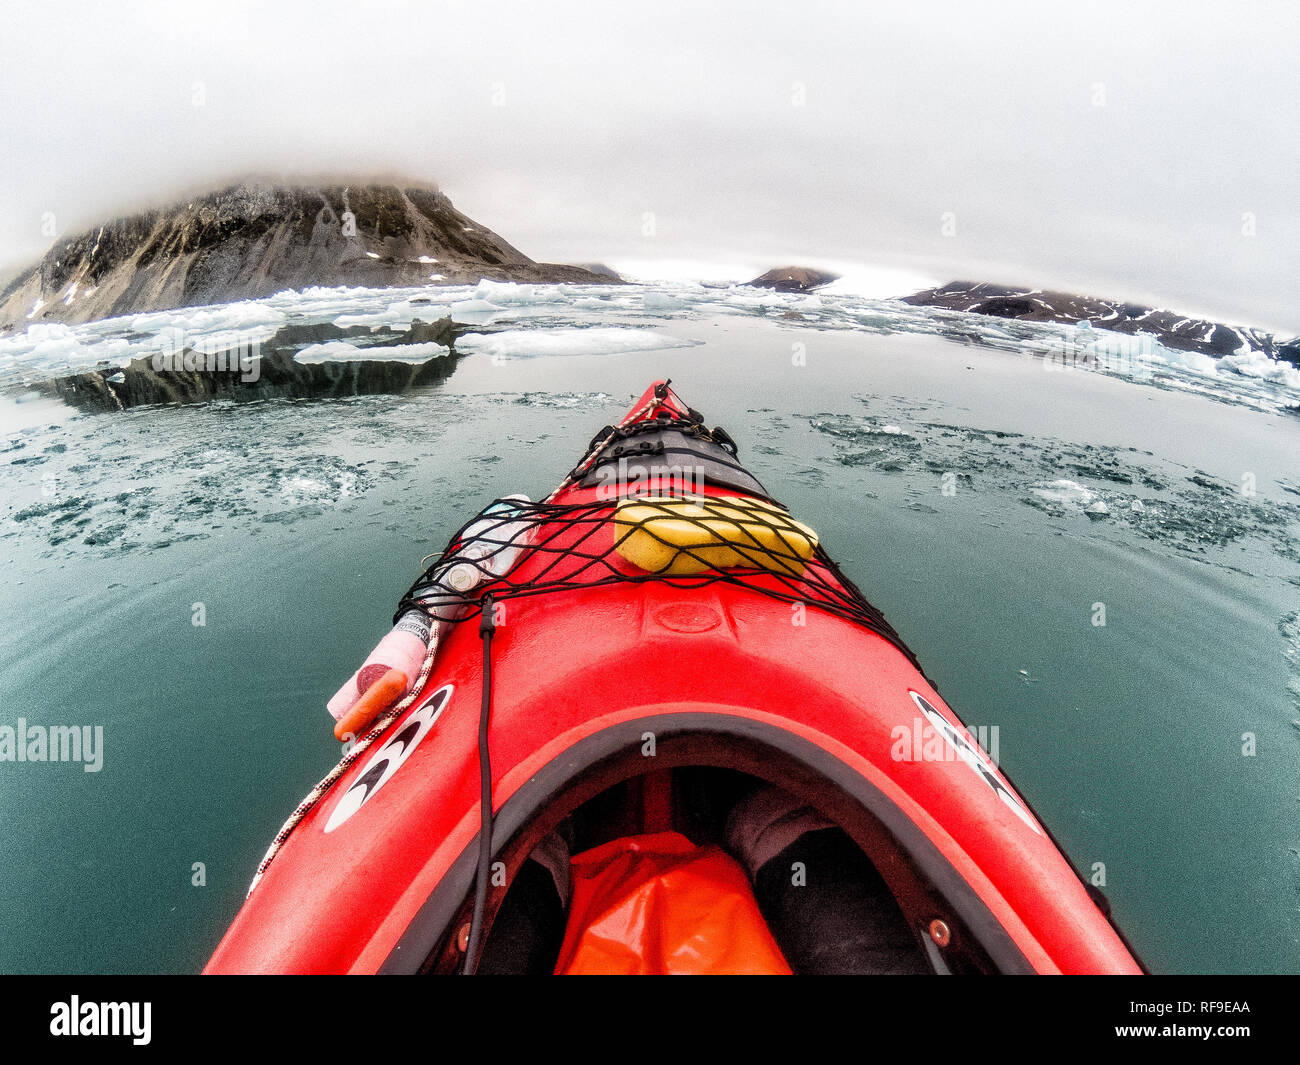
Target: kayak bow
684,707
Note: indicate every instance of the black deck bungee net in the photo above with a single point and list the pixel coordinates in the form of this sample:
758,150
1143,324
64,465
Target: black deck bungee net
567,547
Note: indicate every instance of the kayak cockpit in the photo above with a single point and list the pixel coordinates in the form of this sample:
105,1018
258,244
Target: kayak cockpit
704,871
731,855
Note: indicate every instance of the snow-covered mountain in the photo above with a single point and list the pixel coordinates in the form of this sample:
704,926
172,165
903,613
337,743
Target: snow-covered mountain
255,239
1180,332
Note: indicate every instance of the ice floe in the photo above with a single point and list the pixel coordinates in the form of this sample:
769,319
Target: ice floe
661,301
515,343
1069,495
342,351
473,310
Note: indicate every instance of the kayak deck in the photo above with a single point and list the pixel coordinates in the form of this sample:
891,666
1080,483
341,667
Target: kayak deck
664,634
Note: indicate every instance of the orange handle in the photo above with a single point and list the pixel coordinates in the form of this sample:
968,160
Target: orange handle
378,698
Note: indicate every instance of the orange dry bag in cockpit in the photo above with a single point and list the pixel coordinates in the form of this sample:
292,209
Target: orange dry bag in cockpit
658,904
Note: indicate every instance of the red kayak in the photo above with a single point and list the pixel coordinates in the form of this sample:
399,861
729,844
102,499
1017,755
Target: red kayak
705,752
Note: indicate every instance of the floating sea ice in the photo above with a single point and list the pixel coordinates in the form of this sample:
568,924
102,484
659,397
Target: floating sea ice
1257,364
503,293
304,486
43,345
755,303
535,342
242,316
334,351
1069,494
399,313
341,351
52,346
882,322
1193,361
473,310
661,301
319,292
37,334
343,321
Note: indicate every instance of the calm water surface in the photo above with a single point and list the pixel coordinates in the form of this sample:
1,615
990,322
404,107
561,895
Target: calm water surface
298,524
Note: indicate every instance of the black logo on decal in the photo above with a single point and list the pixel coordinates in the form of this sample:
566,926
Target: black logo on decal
389,758
973,757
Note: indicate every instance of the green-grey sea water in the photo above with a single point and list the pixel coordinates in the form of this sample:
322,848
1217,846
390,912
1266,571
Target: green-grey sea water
931,469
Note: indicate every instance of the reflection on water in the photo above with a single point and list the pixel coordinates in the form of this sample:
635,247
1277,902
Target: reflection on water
244,371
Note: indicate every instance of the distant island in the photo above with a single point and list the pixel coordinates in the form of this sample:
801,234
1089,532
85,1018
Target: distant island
1180,332
793,279
254,239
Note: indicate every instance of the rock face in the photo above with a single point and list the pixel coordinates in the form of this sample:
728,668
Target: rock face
793,279
252,240
1172,330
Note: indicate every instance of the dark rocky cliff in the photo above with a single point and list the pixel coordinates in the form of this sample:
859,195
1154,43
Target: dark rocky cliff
256,239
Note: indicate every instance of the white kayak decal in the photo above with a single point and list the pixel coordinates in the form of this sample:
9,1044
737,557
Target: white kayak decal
973,757
389,758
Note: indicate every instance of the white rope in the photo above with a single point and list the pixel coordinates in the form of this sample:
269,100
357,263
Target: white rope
317,793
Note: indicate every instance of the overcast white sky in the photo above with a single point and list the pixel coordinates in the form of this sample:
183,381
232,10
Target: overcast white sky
1118,149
